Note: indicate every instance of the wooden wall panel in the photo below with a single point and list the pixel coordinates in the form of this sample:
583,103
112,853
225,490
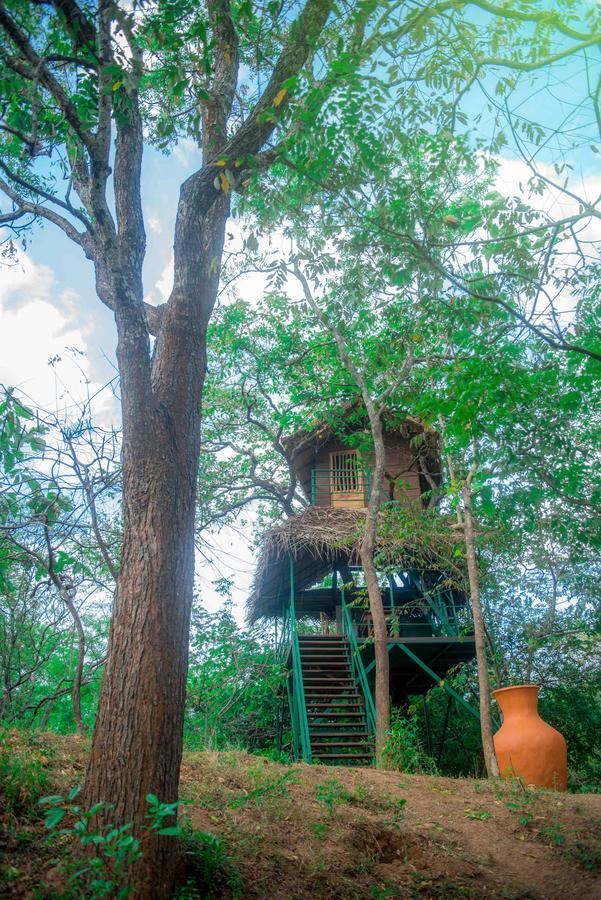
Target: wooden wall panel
401,470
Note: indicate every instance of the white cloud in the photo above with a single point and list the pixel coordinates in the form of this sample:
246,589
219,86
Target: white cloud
154,223
164,283
187,153
37,324
513,178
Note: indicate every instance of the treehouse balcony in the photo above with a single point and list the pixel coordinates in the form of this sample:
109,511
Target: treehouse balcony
343,487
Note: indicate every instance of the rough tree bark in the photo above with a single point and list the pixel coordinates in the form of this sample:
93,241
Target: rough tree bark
488,747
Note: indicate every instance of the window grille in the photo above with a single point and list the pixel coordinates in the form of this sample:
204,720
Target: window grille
346,477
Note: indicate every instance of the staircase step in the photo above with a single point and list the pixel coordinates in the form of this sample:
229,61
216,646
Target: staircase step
323,646
329,745
322,735
336,715
319,756
351,695
323,638
335,678
350,692
336,727
326,663
326,690
338,655
327,704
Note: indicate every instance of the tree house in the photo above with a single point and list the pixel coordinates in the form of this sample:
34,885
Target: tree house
309,580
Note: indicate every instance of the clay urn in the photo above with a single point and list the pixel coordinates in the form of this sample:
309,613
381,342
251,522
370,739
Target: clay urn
527,747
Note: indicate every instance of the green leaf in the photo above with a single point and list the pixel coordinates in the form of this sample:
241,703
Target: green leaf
54,816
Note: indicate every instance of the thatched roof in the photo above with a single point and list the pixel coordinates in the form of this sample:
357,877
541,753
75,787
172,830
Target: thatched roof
350,417
321,537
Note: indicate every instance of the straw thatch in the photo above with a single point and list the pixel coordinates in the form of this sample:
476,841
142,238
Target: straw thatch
322,537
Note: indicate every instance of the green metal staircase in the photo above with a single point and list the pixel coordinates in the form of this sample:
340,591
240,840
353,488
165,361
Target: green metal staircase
331,707
335,707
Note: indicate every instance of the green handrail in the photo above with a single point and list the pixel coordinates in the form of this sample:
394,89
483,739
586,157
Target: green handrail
283,644
358,667
298,692
321,482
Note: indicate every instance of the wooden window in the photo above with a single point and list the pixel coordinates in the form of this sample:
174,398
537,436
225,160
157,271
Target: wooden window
345,475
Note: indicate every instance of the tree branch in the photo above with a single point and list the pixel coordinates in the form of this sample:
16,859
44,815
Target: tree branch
36,209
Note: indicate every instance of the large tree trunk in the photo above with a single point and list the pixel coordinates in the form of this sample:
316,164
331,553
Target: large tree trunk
488,747
382,697
137,743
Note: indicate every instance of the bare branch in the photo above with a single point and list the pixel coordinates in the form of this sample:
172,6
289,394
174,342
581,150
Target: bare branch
36,209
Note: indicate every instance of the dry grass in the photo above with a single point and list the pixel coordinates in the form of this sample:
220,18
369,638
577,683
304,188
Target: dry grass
296,831
360,833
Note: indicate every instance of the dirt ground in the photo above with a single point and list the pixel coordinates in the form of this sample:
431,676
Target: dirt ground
294,831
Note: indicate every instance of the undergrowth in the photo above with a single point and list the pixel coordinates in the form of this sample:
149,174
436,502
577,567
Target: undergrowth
25,775
403,750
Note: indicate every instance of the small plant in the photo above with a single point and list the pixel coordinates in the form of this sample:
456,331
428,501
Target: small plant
360,794
273,755
210,866
381,893
319,829
586,854
332,793
365,865
115,848
553,834
480,815
403,748
397,813
266,787
517,798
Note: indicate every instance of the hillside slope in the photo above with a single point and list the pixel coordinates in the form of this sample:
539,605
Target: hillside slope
296,831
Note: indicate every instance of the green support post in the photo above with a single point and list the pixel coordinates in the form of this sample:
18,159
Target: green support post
298,688
440,681
294,720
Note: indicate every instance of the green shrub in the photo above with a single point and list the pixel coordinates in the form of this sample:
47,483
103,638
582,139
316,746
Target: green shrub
332,793
403,748
209,866
24,773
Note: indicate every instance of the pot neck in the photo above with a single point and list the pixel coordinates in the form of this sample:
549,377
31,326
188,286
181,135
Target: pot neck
518,701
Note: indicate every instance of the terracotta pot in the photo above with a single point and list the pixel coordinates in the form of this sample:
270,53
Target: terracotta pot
526,746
